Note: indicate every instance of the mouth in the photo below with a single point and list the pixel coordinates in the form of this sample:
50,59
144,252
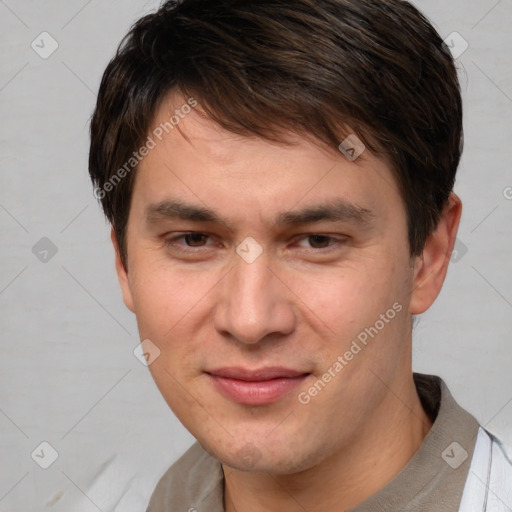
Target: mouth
256,387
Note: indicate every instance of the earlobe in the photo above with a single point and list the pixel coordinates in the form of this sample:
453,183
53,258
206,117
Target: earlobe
122,274
431,267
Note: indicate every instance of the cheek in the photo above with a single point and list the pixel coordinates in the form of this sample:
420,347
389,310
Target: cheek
168,306
360,311
164,297
173,310
344,299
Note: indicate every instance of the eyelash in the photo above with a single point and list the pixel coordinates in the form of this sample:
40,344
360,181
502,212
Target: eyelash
171,241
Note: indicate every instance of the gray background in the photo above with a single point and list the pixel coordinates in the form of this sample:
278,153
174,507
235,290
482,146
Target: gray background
68,375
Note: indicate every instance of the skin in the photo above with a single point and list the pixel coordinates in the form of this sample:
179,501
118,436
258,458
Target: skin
300,305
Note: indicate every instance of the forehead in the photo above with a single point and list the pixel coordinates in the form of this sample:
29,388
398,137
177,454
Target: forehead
195,159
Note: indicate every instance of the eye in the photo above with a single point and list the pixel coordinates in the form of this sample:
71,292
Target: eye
191,239
195,242
195,239
319,241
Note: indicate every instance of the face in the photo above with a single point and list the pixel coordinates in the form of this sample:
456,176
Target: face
276,283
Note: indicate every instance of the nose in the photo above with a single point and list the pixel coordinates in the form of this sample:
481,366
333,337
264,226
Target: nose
254,303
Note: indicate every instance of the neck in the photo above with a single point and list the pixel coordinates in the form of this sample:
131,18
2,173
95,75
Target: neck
373,458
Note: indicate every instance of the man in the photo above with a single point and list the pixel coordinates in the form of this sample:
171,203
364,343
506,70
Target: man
279,179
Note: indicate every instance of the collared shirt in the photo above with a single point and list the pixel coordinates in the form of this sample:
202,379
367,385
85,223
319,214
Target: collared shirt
432,481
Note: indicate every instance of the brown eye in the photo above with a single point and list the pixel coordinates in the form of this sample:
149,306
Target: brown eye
189,243
195,239
319,241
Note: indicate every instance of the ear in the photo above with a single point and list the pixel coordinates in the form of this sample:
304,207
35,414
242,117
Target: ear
122,274
430,268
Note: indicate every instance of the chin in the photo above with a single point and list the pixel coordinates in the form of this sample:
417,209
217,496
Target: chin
260,457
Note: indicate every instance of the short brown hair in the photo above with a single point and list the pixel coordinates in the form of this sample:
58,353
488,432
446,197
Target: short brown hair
314,67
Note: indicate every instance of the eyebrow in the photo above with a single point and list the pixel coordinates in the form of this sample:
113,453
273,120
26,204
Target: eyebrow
338,210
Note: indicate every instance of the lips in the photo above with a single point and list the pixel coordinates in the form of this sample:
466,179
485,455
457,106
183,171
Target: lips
256,387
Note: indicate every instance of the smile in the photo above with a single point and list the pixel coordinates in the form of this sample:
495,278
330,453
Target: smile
258,387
